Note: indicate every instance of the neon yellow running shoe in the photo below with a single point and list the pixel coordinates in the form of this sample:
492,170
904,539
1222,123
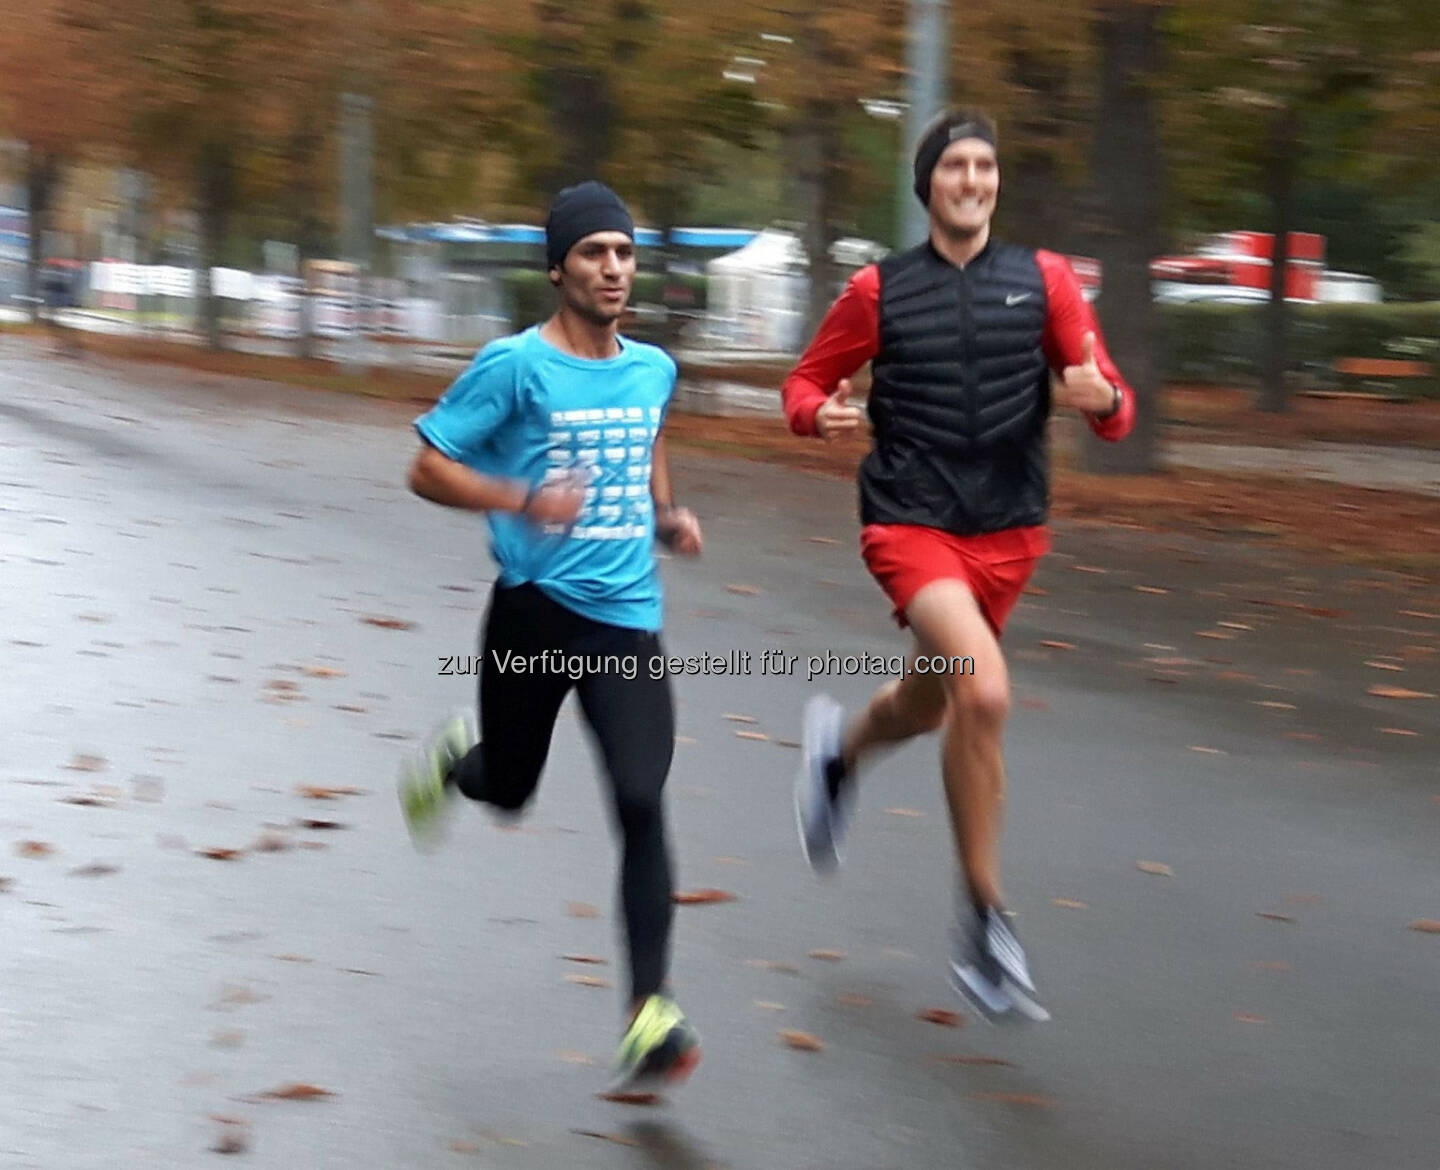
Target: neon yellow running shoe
659,1048
426,793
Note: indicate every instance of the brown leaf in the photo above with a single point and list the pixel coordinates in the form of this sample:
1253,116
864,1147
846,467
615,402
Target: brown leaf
1420,613
231,1140
351,708
1385,692
587,980
231,1039
1087,569
769,1005
822,540
322,672
575,1057
997,1061
757,735
773,965
858,1001
88,800
86,763
1384,665
95,869
740,718
283,685
1154,867
1275,705
34,849
388,623
1051,644
596,959
1274,917
1216,635
581,910
1209,751
827,956
298,1092
801,1040
1426,925
1398,731
623,1097
1018,1099
1068,904
943,1017
1150,589
313,823
464,1148
743,590
703,897
1248,1018
905,812
220,853
269,842
320,792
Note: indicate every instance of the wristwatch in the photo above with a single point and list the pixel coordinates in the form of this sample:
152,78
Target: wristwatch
1117,397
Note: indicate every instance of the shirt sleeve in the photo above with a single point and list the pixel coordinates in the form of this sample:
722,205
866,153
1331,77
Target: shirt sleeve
1068,319
848,337
477,404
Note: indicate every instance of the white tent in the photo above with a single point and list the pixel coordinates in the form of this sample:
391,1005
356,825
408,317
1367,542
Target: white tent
756,297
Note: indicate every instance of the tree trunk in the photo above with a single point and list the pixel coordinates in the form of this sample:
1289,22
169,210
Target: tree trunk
42,174
816,147
1280,185
215,182
578,98
1127,183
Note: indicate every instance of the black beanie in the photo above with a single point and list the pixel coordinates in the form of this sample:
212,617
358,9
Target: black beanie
579,211
947,129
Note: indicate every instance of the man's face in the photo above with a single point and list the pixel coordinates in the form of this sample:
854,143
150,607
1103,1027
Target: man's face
963,187
596,276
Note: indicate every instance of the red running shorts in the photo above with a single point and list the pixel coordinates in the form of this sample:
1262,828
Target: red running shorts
904,558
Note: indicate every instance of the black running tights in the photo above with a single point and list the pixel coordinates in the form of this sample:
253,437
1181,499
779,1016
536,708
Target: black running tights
631,719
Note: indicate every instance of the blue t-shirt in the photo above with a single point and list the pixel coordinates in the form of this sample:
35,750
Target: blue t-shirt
527,411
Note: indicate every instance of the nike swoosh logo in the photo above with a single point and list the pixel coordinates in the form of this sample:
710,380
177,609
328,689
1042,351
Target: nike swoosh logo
1016,298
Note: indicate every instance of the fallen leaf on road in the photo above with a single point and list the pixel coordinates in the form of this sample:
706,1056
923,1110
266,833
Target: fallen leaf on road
1397,731
581,910
1307,736
464,1148
575,1057
1234,626
1051,644
34,849
351,708
220,854
322,672
596,959
1274,917
978,1060
740,718
1068,904
904,812
942,1016
1087,569
827,956
1154,867
801,1040
231,1140
773,965
320,792
729,861
769,1005
232,1039
282,684
1248,1018
95,869
294,959
757,735
1384,666
313,823
270,843
1420,614
85,763
621,1097
1275,705
298,1092
1150,589
388,623
1385,692
587,981
88,800
1208,751
1018,1099
742,590
1426,925
1215,635
822,540
703,897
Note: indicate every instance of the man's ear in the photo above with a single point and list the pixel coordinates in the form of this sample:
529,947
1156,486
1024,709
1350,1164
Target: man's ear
554,275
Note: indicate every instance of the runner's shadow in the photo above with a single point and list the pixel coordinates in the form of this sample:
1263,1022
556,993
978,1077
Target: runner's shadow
666,1147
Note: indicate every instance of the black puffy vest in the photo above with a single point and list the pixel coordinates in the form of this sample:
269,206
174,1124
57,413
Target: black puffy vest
960,395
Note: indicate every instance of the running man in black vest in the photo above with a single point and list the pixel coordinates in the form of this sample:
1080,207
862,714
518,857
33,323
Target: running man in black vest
972,342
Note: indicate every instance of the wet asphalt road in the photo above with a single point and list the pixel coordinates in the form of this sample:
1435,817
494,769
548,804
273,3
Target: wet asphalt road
188,565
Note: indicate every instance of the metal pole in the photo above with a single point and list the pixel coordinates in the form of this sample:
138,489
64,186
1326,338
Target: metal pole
357,215
926,59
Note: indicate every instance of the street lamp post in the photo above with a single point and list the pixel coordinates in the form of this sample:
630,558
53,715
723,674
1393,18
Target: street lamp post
926,57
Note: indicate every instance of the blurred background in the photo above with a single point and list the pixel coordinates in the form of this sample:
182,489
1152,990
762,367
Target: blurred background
365,179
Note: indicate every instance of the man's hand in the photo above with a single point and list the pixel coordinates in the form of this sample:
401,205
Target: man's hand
555,503
678,529
836,417
1084,387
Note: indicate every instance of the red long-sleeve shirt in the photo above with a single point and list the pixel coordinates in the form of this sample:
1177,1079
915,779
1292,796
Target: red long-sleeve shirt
849,336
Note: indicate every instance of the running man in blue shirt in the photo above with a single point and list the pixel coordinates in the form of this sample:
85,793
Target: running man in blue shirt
554,434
